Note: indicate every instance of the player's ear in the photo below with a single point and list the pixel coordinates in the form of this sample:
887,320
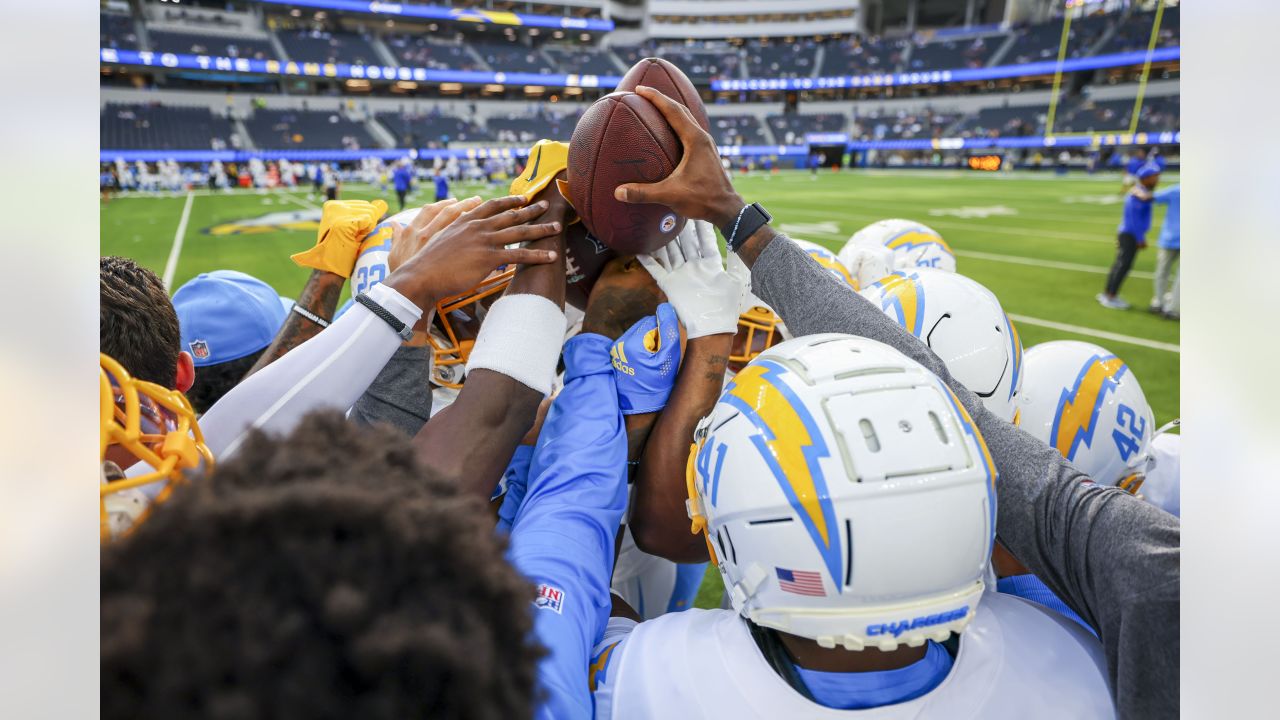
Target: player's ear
186,375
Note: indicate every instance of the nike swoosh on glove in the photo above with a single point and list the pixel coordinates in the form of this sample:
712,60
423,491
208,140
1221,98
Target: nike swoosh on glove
645,361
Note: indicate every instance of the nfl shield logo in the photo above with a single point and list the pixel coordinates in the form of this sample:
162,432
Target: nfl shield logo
200,349
549,598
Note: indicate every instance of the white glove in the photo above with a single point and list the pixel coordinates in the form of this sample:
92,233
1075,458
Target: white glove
689,270
867,263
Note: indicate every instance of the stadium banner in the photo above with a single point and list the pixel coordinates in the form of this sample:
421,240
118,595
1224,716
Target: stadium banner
436,12
344,70
1072,141
475,77
933,77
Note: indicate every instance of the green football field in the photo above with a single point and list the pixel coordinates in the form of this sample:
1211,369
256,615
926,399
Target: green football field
1041,243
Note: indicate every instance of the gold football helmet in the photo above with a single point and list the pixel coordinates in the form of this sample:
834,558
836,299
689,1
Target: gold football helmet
148,423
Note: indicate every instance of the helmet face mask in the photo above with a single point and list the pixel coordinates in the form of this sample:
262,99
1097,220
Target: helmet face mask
804,476
148,423
456,325
758,330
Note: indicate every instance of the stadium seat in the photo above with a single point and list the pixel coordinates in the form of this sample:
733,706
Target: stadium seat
283,129
157,127
328,47
117,31
220,45
432,129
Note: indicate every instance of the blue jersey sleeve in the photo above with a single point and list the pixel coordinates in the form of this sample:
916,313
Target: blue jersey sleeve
562,537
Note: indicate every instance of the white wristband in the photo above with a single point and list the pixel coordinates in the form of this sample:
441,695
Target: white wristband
521,338
396,304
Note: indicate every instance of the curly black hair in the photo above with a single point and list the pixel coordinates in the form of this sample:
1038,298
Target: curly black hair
137,325
213,381
323,574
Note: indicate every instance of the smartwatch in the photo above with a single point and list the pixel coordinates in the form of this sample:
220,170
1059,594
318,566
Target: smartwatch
749,219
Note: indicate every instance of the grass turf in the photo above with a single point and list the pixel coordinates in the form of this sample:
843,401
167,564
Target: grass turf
1009,231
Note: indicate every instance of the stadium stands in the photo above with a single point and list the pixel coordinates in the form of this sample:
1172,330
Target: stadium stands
156,127
782,60
1134,32
513,57
117,31
536,123
1002,122
791,129
1042,41
285,129
432,129
729,130
583,60
704,66
221,45
902,125
423,51
1158,115
946,54
861,56
321,46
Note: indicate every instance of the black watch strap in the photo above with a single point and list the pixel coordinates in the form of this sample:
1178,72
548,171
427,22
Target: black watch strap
404,331
748,220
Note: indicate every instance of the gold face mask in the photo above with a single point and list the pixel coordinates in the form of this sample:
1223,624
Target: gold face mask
757,332
148,423
457,324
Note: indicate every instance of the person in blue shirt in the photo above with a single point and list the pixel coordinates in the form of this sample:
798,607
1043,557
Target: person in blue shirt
1132,164
1132,237
442,185
1168,246
562,535
403,179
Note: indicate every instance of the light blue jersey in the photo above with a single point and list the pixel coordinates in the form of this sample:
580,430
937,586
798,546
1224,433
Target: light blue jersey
562,535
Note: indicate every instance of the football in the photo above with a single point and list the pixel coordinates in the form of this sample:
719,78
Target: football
622,138
668,80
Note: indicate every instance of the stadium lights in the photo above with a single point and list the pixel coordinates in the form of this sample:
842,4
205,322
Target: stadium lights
558,34
572,90
407,85
451,87
534,89
534,32
357,84
494,88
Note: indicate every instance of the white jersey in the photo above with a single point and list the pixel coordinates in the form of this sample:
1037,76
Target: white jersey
1163,485
1016,660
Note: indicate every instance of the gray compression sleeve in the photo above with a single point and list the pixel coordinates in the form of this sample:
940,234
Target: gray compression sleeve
401,394
1111,557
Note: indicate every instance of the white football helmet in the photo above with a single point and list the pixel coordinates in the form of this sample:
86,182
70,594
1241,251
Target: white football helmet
1084,401
963,323
845,495
828,260
913,244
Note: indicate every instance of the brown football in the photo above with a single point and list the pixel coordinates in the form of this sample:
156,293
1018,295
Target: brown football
668,80
622,138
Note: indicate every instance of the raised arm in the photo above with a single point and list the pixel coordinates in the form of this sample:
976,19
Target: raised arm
344,224
706,299
334,368
1112,557
510,369
562,537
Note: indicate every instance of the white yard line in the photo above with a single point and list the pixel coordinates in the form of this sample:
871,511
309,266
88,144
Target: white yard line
171,265
298,201
1076,267
1102,334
